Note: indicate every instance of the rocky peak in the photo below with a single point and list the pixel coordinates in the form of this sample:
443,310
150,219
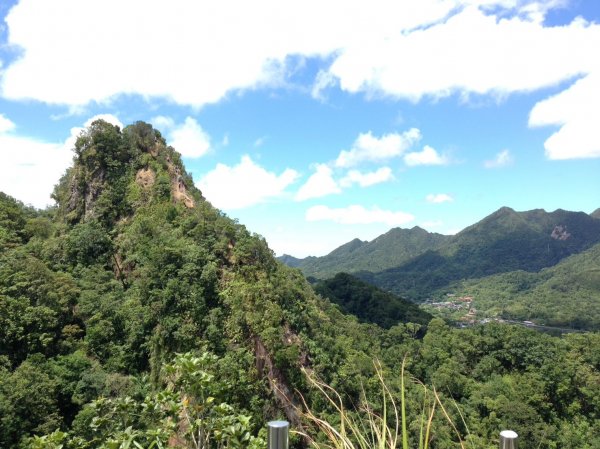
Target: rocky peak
117,170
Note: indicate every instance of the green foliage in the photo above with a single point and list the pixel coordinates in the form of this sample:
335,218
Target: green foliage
369,303
546,297
13,220
389,250
187,411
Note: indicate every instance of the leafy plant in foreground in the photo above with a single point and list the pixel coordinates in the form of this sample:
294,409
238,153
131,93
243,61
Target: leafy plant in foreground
186,413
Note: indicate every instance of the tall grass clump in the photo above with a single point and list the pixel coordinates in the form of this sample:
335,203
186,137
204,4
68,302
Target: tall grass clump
379,423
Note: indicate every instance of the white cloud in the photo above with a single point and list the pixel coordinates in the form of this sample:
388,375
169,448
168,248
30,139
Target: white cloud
6,124
439,198
576,111
192,53
432,224
259,142
470,52
357,214
502,159
243,185
426,157
195,53
323,81
110,118
162,122
320,183
367,179
31,168
368,148
189,139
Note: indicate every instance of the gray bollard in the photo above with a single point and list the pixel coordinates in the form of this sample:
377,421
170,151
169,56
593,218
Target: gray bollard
278,434
508,439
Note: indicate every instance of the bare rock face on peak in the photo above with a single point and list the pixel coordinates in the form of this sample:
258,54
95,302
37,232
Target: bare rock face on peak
116,170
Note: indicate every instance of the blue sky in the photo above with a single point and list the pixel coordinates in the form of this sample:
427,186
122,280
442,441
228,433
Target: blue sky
317,122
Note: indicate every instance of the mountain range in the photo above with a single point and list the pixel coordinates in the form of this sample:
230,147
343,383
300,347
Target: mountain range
418,265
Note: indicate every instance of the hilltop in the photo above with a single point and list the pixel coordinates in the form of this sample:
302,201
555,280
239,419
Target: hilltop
502,242
389,250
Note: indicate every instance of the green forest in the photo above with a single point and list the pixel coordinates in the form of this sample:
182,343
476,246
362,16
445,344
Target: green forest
136,315
526,266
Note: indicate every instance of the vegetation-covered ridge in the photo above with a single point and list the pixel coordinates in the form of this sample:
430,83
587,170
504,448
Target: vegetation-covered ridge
503,242
135,314
389,250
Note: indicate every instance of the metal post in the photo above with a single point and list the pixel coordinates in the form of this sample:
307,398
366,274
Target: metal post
278,434
509,439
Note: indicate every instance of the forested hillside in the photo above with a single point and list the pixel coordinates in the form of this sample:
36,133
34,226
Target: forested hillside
416,264
565,295
368,303
389,250
134,314
503,242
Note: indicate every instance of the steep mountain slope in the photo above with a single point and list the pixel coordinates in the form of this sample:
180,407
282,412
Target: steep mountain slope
596,213
368,303
133,266
388,250
502,242
565,295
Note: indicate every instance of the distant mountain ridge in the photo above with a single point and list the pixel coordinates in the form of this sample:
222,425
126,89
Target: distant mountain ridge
504,241
386,251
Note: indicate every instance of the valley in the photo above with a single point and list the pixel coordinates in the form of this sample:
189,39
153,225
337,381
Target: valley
526,266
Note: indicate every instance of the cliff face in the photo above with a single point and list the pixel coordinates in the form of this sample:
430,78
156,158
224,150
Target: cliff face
122,170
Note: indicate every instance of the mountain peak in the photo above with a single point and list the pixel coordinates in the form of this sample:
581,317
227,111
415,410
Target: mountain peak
116,171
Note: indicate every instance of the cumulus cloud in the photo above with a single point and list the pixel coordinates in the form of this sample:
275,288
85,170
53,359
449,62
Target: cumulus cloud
30,167
366,179
244,184
575,111
439,198
357,214
6,124
192,53
162,122
320,183
428,156
195,53
432,224
110,118
473,51
502,159
368,148
324,80
190,139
